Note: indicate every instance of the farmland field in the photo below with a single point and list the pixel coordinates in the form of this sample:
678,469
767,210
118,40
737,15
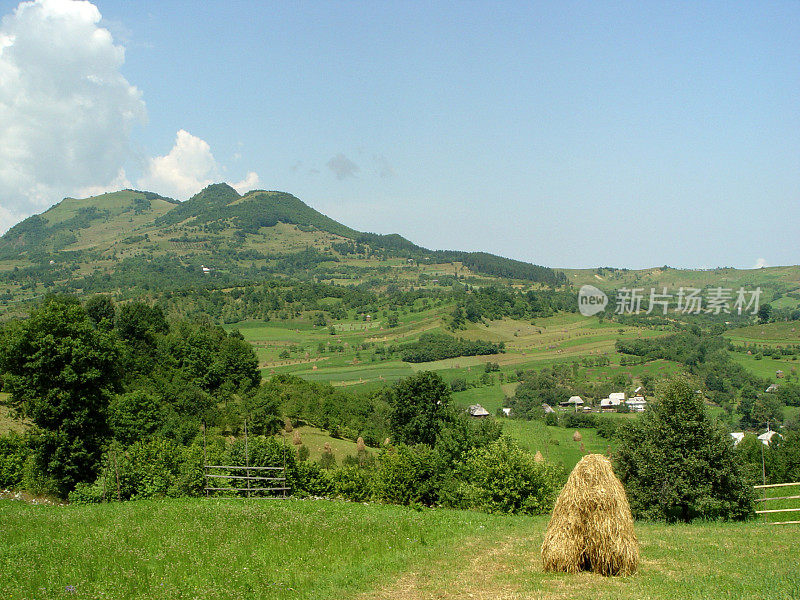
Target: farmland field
321,549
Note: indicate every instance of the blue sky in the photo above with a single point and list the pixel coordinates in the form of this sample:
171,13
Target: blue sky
565,134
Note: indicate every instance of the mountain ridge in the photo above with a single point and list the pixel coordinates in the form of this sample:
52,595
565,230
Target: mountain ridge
134,237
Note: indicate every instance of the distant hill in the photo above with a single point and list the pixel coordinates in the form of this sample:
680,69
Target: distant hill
131,238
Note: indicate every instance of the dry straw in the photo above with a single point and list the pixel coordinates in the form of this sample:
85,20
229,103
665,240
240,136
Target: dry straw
538,457
360,445
591,528
287,425
577,437
296,439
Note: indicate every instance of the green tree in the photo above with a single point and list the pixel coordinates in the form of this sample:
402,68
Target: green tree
419,407
678,464
61,372
764,313
135,415
101,311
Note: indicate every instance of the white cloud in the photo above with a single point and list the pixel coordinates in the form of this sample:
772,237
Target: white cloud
65,110
248,183
760,262
186,169
120,182
7,219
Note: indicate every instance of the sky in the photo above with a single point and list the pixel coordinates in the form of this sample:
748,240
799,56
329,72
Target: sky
567,134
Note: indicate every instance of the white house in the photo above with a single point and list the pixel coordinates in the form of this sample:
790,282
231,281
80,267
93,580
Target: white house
205,269
637,403
772,388
507,412
575,401
547,408
617,396
737,436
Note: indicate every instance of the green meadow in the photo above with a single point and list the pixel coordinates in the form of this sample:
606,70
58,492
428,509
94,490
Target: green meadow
317,549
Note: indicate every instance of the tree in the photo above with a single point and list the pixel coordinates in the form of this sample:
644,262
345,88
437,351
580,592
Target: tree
678,464
61,372
764,313
419,407
101,311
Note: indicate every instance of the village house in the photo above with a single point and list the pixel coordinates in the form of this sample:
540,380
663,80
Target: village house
476,410
637,403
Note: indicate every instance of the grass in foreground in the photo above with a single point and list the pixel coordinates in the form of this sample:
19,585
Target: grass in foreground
321,549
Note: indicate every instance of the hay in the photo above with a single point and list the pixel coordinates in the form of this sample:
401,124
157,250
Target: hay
591,528
296,439
538,457
360,445
577,437
287,425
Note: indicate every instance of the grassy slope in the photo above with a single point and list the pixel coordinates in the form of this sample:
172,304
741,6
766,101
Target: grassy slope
675,278
320,549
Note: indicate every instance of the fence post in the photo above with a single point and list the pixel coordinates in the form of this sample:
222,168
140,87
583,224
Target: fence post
246,458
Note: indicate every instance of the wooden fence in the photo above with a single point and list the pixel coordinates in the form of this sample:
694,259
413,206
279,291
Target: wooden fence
766,499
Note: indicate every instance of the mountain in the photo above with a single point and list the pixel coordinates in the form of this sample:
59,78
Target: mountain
137,239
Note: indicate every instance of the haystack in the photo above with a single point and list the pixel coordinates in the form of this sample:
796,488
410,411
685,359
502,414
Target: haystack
296,439
287,425
538,457
360,445
591,528
577,437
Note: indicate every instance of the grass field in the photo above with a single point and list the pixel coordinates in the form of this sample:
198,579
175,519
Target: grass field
765,367
314,549
786,332
556,443
314,439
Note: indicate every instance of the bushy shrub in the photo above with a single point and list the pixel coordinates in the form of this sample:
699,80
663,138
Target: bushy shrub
13,452
407,474
503,478
352,483
146,469
313,480
90,493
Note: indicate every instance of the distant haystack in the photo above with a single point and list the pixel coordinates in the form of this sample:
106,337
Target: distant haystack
296,439
287,425
577,437
360,445
591,528
538,457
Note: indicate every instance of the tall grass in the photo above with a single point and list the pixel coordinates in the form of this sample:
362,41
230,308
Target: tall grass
217,549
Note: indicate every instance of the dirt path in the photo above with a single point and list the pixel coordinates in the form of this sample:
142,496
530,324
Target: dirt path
478,569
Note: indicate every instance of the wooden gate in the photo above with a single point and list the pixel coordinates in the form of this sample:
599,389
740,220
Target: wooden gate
251,481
